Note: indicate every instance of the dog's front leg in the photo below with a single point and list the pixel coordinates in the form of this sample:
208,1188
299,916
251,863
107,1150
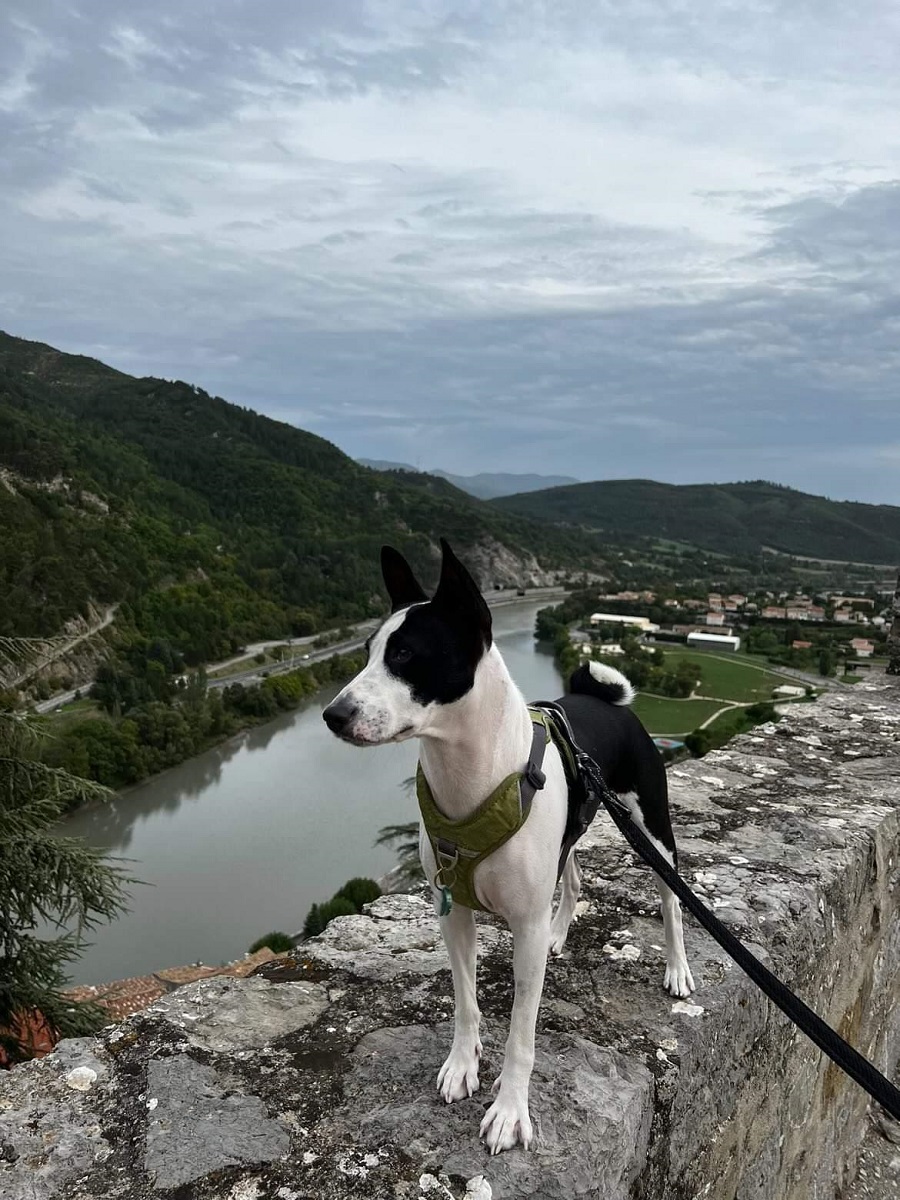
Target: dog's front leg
507,1121
458,1077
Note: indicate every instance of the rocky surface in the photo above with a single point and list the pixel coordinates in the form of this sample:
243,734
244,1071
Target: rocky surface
314,1080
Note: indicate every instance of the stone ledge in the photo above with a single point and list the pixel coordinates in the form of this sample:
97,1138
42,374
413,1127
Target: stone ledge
315,1078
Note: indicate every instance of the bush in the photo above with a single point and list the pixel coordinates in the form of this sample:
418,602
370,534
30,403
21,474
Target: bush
320,914
359,891
276,941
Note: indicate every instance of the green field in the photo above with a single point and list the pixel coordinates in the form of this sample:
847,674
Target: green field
663,716
728,678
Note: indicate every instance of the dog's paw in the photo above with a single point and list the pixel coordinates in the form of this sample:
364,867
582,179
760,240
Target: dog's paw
458,1077
679,981
507,1122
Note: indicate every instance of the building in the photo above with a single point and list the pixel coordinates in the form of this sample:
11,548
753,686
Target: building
713,641
644,624
715,618
798,645
788,689
772,612
863,647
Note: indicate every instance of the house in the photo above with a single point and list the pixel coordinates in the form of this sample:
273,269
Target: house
844,615
863,647
772,612
788,689
642,623
715,618
714,641
737,600
798,645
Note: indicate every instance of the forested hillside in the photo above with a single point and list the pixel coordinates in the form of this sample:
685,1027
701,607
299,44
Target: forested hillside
732,518
210,523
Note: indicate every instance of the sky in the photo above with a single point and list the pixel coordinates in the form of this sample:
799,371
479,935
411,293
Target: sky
641,238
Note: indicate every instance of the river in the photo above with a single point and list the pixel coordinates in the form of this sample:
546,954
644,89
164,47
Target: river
243,839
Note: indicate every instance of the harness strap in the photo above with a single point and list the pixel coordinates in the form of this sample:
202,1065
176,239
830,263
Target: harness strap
459,846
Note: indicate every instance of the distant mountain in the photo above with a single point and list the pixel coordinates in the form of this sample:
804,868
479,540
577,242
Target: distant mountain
208,523
487,485
733,518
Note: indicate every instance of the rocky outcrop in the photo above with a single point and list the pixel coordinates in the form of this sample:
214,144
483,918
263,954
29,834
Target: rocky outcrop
315,1077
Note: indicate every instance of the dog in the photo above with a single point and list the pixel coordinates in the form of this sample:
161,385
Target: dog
434,673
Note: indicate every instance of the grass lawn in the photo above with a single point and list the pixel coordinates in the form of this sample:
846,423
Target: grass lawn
662,716
728,678
78,710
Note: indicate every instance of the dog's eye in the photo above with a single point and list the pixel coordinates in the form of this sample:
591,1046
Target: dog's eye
401,655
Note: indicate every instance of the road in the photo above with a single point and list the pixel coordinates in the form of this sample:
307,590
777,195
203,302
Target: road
255,673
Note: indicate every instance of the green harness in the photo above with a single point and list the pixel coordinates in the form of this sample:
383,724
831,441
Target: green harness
459,846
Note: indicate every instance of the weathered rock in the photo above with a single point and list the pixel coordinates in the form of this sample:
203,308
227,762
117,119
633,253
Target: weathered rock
197,1125
317,1077
225,1015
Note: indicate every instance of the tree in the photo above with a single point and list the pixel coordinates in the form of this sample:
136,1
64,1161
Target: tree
43,878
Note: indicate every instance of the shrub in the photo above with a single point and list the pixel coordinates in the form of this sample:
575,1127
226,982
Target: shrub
359,891
276,941
320,914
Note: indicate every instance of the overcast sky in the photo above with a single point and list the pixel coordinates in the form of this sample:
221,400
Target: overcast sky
604,239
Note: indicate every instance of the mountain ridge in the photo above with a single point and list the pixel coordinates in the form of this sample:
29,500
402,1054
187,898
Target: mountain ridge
744,517
485,485
209,523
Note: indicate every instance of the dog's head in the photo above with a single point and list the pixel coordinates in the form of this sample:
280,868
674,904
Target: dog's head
423,657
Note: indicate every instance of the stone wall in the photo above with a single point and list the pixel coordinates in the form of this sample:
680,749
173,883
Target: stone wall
315,1078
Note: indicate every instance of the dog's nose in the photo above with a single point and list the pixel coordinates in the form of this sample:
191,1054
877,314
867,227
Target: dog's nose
339,714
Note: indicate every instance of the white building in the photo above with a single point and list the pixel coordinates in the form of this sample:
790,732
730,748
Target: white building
787,689
642,623
712,641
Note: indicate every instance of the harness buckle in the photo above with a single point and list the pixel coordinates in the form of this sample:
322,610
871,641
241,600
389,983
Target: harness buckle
534,776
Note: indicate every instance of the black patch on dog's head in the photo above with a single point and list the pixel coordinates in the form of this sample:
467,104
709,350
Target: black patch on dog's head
440,644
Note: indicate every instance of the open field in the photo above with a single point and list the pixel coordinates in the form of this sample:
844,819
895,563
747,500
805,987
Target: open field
728,678
663,716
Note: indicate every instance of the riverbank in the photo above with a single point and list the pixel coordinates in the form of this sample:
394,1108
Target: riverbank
245,837
193,714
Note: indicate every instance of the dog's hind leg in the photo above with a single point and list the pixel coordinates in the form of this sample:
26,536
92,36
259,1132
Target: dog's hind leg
565,911
458,1077
678,978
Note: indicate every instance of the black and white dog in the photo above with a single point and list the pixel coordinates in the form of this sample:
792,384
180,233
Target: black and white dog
434,673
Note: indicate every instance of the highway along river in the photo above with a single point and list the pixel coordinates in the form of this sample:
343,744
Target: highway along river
243,839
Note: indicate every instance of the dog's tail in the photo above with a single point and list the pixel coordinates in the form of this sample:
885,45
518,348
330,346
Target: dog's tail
606,683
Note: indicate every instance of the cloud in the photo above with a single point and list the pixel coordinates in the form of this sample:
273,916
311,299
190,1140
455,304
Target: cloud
630,239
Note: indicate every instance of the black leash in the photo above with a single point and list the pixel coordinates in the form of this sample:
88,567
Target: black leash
829,1042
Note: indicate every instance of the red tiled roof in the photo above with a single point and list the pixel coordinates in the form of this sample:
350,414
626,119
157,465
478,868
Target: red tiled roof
126,996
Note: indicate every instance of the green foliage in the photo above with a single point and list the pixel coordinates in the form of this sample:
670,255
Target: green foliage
320,914
144,735
211,524
345,902
44,877
276,941
359,891
734,518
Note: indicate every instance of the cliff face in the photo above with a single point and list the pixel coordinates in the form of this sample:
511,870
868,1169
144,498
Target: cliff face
315,1078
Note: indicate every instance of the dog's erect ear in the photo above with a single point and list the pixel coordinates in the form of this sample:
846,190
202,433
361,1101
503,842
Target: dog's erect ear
458,594
402,586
